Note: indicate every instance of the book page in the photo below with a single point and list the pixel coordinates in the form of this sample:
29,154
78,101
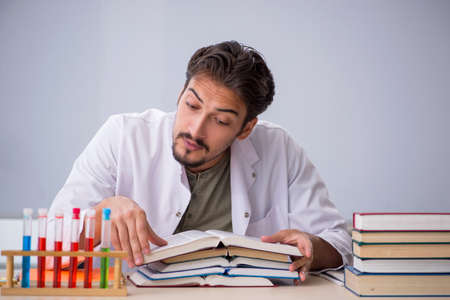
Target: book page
189,265
218,280
225,234
140,280
232,239
154,275
181,239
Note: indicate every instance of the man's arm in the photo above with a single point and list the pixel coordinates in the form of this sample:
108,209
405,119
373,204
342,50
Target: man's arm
92,183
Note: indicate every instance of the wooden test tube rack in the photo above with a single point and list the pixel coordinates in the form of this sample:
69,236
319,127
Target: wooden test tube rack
119,284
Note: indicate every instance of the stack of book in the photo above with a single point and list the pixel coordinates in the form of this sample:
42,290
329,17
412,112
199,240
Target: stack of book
400,254
215,258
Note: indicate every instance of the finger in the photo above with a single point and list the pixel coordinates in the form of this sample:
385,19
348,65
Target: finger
134,241
142,233
154,238
297,264
115,237
307,246
124,242
280,236
303,272
304,244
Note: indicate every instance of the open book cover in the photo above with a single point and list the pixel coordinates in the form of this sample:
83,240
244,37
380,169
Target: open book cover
195,240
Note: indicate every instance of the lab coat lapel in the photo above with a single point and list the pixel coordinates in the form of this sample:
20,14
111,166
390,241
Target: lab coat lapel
242,176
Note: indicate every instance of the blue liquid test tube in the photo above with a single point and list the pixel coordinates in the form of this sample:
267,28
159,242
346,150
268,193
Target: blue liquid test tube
26,245
104,247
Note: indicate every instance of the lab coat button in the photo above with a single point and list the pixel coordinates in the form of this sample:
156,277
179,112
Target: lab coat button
253,174
178,214
246,214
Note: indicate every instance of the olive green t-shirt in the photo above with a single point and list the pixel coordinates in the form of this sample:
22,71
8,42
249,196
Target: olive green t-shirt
210,204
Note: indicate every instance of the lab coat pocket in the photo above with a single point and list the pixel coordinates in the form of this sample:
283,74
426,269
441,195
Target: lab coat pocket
270,224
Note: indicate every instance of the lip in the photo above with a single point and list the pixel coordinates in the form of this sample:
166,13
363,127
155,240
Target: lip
192,146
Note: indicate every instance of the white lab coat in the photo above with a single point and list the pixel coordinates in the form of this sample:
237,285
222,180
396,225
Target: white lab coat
273,184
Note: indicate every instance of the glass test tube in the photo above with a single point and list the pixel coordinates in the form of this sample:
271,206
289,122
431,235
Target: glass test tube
59,224
89,246
42,238
105,245
26,245
74,247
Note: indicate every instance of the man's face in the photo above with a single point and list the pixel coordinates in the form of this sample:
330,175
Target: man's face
209,117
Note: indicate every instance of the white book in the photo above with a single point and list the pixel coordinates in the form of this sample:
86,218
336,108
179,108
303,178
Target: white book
218,262
194,240
213,280
401,265
401,221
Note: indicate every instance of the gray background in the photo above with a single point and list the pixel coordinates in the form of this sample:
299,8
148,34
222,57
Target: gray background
363,86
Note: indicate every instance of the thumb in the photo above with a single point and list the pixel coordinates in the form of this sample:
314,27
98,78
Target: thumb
274,238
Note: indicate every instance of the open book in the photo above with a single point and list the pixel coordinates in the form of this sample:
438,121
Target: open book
242,262
140,280
232,272
194,240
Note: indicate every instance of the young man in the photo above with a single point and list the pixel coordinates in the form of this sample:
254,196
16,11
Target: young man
210,165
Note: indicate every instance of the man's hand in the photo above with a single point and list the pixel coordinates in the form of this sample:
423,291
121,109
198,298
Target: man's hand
318,254
130,230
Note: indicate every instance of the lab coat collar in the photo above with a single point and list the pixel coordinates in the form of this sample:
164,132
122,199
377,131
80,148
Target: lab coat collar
242,177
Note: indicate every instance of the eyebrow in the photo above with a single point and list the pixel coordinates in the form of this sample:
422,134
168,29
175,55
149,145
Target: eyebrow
218,109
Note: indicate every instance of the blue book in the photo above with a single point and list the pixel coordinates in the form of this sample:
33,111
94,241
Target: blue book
397,284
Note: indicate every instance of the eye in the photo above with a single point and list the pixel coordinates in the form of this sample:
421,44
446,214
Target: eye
221,123
190,105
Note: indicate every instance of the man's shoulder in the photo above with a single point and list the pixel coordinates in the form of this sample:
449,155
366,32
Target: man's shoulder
268,130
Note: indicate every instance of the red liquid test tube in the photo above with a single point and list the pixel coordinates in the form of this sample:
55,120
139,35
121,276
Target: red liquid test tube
42,238
73,266
59,223
89,246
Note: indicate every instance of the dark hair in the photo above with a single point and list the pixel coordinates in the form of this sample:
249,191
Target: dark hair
238,67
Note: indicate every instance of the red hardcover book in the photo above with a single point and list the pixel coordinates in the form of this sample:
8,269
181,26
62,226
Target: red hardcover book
401,221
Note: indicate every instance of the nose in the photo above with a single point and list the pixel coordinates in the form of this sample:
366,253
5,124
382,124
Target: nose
197,127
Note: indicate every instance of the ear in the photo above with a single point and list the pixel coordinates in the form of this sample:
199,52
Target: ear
245,132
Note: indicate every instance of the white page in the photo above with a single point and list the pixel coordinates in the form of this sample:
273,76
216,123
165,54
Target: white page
154,275
233,239
258,263
181,238
260,272
190,265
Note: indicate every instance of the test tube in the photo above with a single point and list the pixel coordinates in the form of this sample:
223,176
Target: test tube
89,246
105,244
42,238
59,223
74,247
26,245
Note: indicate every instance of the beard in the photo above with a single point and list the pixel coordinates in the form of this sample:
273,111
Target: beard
183,160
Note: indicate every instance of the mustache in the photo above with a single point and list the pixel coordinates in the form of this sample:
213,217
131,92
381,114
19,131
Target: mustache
198,141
